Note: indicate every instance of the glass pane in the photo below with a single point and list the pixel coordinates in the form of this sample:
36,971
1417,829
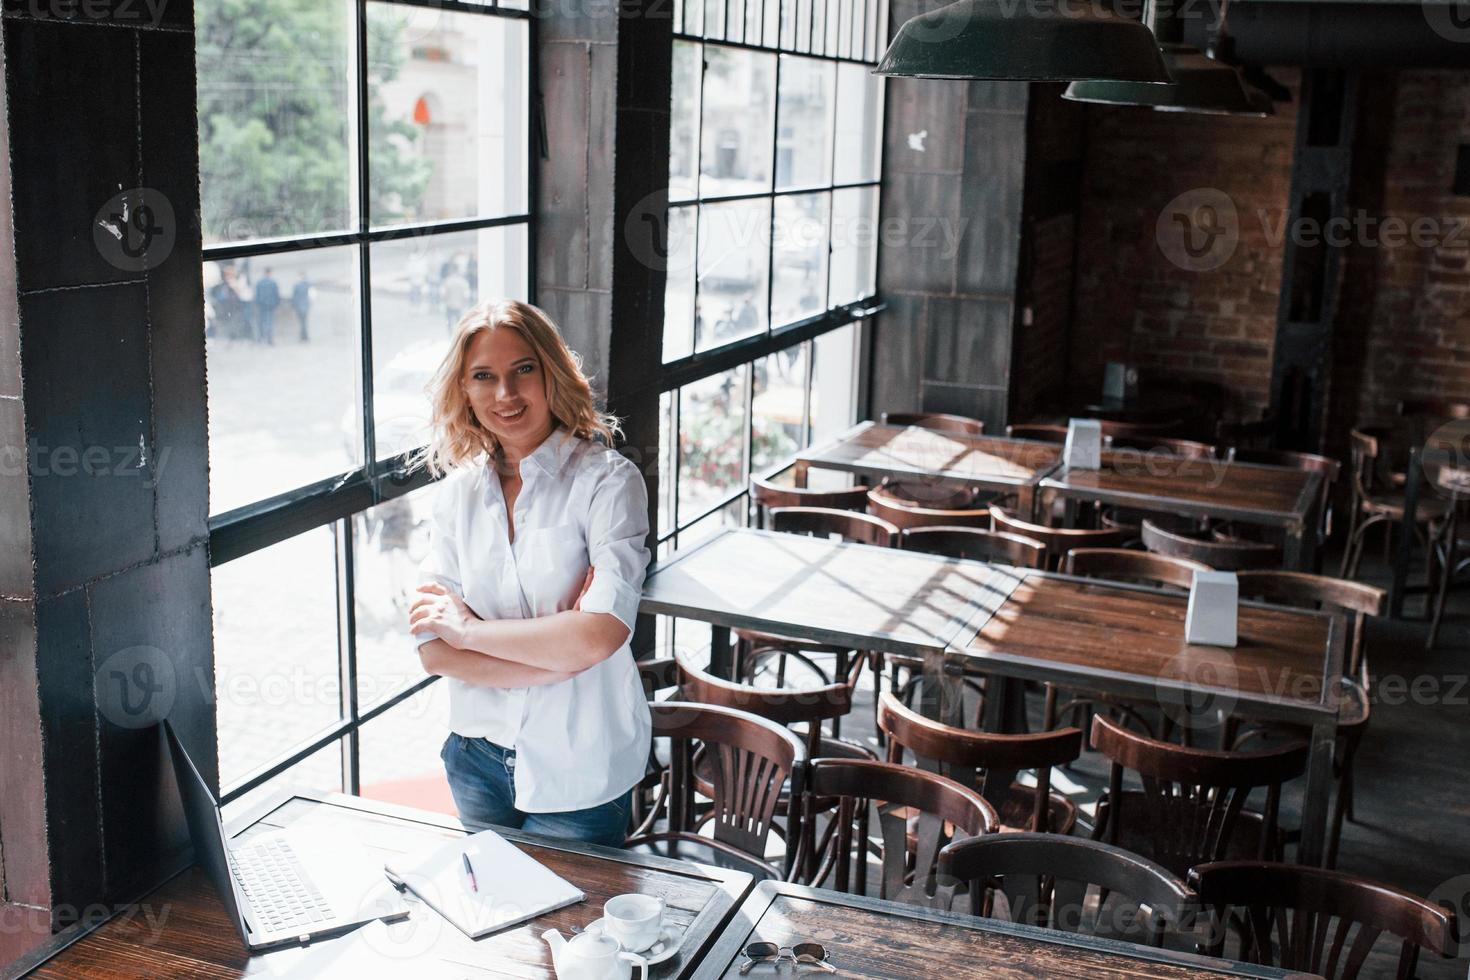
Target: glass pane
320,772
285,391
834,388
703,530
679,284
859,124
804,114
684,129
771,22
737,133
711,441
388,543
733,268
275,120
398,753
422,285
788,24
777,409
714,18
854,244
275,650
447,115
693,16
878,35
799,260
666,486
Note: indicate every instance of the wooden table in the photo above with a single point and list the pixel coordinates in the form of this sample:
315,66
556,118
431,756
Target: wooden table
184,930
913,452
871,598
1129,641
870,937
1272,496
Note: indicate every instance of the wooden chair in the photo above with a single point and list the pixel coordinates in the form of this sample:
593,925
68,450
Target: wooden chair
1114,429
1184,448
1375,504
823,522
1356,601
943,807
1071,884
1038,432
767,495
976,545
896,504
1192,802
1285,912
989,764
1058,540
936,420
749,759
1225,556
1120,565
1330,469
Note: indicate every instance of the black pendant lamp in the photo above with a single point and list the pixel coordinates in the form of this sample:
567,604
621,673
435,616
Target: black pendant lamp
1201,84
1025,40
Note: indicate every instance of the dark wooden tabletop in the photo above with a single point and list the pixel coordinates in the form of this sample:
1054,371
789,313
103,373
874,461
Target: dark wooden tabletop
895,450
1156,480
189,934
870,937
827,591
1130,640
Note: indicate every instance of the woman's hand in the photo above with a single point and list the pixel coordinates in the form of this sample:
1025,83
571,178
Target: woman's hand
442,613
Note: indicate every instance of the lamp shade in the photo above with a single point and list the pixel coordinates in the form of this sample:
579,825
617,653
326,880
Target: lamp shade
1200,84
1025,40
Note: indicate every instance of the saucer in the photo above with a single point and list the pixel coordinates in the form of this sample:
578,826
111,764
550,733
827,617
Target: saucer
667,943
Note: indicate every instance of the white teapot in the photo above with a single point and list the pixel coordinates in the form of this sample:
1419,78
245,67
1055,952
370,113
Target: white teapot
592,957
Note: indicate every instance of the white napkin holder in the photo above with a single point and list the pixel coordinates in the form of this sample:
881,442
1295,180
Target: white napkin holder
1214,600
1083,450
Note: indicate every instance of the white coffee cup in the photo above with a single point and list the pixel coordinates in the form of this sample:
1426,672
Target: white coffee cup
636,921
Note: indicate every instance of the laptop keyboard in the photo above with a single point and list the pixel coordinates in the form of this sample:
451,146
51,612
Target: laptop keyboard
281,896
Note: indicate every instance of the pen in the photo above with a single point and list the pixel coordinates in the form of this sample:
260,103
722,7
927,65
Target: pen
469,869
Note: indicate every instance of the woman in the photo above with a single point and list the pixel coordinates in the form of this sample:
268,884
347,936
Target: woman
533,578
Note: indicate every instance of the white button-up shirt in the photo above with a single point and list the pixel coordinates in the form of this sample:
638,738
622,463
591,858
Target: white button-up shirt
582,741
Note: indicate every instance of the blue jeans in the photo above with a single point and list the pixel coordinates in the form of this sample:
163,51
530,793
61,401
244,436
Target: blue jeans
482,778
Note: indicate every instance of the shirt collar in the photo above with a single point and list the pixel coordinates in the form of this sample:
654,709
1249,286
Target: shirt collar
552,454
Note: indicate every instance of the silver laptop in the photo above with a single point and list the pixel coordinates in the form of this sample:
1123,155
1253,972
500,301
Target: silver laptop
283,887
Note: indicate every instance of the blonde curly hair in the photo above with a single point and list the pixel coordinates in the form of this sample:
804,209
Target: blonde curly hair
458,437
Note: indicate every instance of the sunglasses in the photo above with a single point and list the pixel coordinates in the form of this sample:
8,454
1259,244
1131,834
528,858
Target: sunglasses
801,954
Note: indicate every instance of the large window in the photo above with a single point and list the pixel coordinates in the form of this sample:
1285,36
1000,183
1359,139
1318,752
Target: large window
775,160
365,178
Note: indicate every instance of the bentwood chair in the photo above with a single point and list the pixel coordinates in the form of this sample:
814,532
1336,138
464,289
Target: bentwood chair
1191,808
1329,468
1375,502
1058,540
768,494
962,424
1038,431
1120,565
1184,448
1072,884
990,763
926,805
1314,920
976,545
748,760
1171,540
905,506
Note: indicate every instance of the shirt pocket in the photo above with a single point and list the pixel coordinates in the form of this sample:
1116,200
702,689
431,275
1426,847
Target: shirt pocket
552,563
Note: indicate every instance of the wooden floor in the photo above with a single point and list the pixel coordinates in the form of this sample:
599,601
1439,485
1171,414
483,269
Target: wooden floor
1412,824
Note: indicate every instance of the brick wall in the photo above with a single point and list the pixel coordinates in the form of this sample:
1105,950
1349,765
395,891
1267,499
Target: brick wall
1405,329
1133,304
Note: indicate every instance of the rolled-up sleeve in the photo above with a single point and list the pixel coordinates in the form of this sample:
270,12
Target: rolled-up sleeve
617,526
442,562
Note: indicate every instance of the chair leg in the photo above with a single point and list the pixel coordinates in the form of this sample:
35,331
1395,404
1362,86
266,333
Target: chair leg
1352,535
1446,572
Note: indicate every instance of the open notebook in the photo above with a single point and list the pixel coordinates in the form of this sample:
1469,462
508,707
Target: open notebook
513,886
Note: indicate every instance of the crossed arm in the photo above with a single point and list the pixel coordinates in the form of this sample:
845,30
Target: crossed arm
511,652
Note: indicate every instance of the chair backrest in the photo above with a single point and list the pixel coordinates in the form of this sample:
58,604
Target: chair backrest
936,420
1364,449
766,494
1189,808
1038,432
749,759
1071,884
824,521
1355,600
1285,913
657,675
1225,556
1113,429
894,506
940,804
1184,448
975,544
1309,462
1058,540
785,706
1121,565
985,761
